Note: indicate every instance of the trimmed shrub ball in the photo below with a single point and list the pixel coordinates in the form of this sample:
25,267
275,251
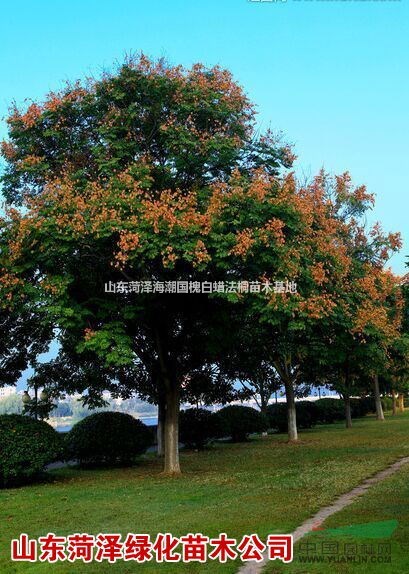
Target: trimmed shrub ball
330,410
197,427
108,439
237,422
26,447
306,411
307,414
387,403
362,406
277,416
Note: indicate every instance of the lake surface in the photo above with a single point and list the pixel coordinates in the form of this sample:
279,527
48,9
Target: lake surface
148,421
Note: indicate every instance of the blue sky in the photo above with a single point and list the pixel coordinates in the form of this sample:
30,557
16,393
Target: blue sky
332,75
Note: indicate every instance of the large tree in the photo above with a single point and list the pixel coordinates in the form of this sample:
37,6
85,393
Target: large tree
151,173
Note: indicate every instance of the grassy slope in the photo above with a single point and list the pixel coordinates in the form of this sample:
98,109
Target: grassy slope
263,486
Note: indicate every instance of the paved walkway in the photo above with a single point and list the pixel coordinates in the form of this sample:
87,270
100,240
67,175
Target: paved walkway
315,522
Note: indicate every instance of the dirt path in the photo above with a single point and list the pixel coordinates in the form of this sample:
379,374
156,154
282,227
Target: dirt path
340,503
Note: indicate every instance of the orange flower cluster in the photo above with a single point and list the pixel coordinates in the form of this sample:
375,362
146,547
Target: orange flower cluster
128,242
57,99
273,228
317,306
244,242
260,185
9,283
28,118
88,334
169,256
173,209
29,161
201,254
218,194
8,150
318,273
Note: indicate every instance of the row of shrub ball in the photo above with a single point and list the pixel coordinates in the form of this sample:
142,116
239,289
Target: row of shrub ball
27,446
199,426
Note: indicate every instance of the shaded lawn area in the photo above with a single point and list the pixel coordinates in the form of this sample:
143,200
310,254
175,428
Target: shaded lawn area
373,533
263,486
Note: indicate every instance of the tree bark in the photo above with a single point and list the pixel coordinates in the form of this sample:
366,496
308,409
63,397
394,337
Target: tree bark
394,405
291,411
263,405
348,415
171,464
401,403
378,403
161,427
171,393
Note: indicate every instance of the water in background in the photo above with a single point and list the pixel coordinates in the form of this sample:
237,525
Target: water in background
149,421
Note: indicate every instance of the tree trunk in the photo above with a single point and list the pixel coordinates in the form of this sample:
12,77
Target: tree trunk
171,391
291,411
161,427
394,405
378,403
263,405
171,465
348,416
401,403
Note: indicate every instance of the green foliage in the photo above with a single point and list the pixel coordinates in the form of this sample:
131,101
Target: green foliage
108,438
330,410
197,427
27,446
23,337
237,422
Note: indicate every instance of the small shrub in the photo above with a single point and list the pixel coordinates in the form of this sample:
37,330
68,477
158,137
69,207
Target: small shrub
237,422
362,406
26,447
329,410
307,414
197,427
368,405
107,438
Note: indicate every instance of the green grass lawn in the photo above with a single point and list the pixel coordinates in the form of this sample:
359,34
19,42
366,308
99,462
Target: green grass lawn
371,535
263,486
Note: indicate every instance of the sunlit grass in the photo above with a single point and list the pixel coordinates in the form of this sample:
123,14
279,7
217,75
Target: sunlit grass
263,486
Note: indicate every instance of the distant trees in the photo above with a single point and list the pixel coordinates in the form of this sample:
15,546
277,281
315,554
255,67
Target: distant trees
11,405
